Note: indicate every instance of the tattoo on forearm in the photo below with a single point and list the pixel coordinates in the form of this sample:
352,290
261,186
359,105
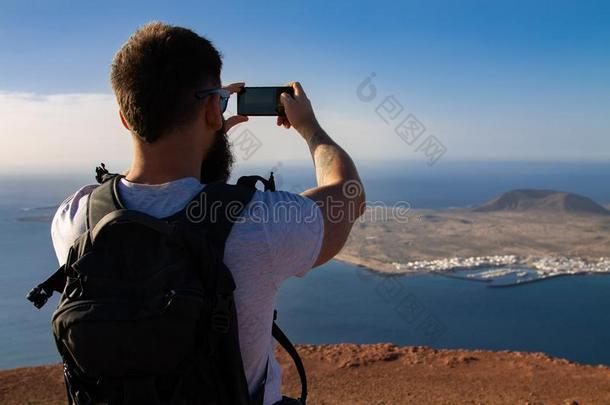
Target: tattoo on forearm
324,164
324,152
318,138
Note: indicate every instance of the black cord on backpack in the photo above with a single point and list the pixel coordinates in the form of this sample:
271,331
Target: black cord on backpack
283,340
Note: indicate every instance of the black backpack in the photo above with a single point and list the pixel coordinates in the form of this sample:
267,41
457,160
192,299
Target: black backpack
146,314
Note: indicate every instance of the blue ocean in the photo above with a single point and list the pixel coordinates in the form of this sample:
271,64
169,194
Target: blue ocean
338,302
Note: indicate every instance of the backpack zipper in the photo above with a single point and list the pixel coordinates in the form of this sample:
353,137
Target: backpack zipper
186,293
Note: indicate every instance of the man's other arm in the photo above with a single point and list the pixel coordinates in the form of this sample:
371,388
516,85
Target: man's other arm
339,191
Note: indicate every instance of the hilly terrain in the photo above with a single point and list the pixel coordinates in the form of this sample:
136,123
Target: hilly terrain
541,223
548,201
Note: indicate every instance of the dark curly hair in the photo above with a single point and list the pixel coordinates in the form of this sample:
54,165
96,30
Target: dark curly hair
155,74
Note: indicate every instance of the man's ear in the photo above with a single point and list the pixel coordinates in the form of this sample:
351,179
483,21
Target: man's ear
124,121
213,116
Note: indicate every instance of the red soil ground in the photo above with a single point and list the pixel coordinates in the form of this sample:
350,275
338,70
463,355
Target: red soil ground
387,374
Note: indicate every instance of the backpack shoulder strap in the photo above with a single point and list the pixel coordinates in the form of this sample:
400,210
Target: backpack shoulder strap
249,182
103,200
214,211
217,208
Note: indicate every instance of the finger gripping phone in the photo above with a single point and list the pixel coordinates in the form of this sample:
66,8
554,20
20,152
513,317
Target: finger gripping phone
262,101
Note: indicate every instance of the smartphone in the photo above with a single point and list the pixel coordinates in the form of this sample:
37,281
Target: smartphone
262,101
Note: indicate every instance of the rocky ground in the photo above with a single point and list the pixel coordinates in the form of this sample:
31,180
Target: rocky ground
387,374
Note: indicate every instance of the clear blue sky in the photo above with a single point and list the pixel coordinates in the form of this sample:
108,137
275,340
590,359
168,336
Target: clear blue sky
492,80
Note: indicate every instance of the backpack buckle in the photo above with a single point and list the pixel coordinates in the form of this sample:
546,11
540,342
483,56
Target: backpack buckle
38,296
74,287
220,323
220,315
168,299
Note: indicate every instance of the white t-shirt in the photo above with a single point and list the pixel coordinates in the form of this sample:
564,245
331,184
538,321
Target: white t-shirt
279,236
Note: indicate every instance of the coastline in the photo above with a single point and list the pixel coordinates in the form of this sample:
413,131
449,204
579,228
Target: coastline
385,373
544,267
532,244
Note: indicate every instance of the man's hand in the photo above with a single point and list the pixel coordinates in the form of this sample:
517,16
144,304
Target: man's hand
299,113
236,119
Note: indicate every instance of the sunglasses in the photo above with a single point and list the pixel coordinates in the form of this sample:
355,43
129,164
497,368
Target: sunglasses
224,96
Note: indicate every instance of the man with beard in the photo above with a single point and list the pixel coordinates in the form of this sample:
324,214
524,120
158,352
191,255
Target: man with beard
167,83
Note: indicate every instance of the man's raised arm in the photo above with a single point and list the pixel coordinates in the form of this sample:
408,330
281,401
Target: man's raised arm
339,193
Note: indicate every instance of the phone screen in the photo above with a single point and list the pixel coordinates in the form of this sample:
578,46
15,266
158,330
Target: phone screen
263,101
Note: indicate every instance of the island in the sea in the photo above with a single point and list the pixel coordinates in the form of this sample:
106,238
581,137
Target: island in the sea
519,236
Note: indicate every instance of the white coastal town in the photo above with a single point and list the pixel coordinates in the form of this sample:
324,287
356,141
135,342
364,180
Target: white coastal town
524,268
